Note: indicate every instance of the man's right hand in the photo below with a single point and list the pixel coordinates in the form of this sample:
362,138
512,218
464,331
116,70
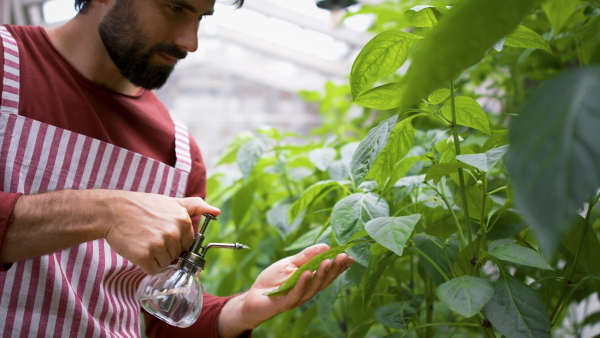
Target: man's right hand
152,230
147,229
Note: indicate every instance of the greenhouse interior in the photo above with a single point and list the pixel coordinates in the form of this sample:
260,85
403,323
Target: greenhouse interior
434,165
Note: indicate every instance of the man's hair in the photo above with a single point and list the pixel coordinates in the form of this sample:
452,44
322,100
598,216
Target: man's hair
80,5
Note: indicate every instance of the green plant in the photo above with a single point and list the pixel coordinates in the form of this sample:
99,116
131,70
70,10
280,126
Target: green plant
455,240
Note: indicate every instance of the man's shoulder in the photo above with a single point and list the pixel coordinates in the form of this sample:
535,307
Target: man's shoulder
25,34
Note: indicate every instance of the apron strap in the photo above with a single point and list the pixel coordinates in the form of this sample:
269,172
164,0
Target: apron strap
182,147
9,102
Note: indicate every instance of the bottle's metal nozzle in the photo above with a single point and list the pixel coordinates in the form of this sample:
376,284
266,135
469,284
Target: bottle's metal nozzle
235,246
195,255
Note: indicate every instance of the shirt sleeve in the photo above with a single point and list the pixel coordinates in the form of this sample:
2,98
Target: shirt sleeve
205,327
7,208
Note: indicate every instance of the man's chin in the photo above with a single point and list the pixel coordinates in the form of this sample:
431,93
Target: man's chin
154,79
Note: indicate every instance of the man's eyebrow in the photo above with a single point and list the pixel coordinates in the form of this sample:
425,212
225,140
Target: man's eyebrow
188,6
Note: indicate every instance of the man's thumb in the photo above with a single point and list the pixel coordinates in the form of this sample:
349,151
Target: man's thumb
197,206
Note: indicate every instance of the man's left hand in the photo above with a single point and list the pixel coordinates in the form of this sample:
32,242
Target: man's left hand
248,310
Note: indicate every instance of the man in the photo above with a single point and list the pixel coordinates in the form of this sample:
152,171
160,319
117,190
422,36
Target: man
100,186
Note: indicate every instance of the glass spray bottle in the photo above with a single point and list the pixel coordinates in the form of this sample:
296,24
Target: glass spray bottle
174,295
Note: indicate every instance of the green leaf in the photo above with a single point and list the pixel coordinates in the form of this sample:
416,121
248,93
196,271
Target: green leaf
350,215
439,96
387,169
553,159
428,246
516,310
230,153
437,171
338,170
241,202
362,233
468,113
424,16
507,223
380,57
459,40
277,217
398,172
322,157
375,269
249,154
467,261
326,299
399,314
309,238
475,203
361,330
590,42
465,295
592,319
516,253
590,246
312,194
388,96
558,11
442,230
369,149
523,37
392,232
305,319
497,140
486,161
311,265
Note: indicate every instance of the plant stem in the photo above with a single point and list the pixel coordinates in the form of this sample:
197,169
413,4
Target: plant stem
392,266
461,177
542,279
487,331
482,224
461,235
444,324
568,282
406,206
437,267
575,287
591,206
497,190
286,179
485,195
429,306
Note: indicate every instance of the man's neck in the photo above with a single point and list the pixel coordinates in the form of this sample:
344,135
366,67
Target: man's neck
79,42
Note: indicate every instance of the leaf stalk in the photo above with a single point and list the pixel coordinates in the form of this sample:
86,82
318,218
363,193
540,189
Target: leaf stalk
461,177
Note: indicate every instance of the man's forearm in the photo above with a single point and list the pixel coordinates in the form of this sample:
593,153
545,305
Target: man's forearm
50,222
232,323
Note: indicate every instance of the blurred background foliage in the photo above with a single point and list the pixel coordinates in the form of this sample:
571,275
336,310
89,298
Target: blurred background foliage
280,192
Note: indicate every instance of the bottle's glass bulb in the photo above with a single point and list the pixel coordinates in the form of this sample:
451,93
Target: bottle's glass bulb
173,295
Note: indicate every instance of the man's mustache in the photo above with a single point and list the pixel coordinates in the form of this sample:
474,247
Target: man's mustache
170,50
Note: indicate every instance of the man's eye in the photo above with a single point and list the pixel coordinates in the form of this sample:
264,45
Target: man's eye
176,9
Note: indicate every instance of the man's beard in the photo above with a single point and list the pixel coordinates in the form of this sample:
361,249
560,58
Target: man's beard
126,45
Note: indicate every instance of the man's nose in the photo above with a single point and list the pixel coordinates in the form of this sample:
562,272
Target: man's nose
187,37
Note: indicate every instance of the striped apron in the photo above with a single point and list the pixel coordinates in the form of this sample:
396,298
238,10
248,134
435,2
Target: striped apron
87,290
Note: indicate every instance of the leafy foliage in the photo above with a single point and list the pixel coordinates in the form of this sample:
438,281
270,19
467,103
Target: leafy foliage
473,164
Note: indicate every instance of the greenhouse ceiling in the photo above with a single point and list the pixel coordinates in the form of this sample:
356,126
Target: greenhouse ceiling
292,44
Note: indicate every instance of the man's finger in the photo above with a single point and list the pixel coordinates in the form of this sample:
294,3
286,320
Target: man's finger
307,254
